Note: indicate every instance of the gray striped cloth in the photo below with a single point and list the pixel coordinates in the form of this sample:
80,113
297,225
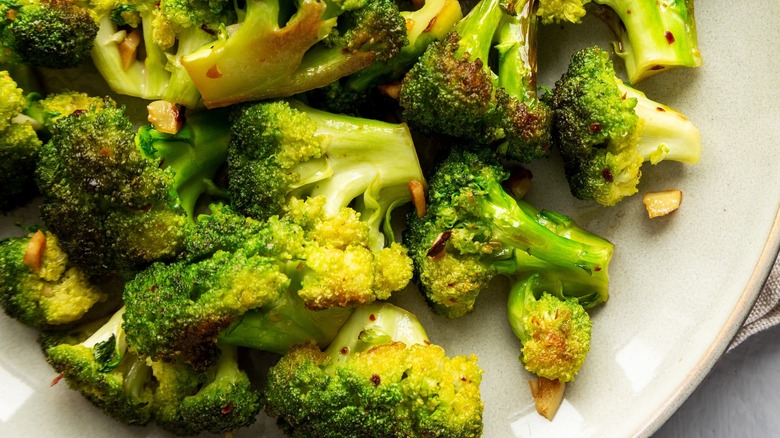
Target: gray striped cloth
766,312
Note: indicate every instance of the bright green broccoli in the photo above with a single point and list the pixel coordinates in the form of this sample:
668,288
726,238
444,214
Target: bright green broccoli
267,286
276,52
474,230
96,360
281,149
40,288
45,33
554,329
431,22
379,377
120,199
606,129
453,90
652,36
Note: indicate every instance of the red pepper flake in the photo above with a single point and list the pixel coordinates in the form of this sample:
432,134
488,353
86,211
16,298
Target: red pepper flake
372,317
56,379
597,268
628,11
207,29
606,173
669,37
430,25
213,72
228,408
660,109
106,152
344,351
657,67
594,127
375,379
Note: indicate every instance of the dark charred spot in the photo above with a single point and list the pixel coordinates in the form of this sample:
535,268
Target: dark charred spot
77,113
375,379
658,108
657,67
208,30
430,25
606,173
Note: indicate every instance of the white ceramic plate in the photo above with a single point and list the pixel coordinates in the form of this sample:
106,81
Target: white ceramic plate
681,285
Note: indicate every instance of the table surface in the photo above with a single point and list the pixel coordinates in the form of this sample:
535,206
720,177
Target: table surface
739,398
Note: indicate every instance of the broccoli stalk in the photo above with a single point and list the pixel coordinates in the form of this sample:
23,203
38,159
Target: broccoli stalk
527,121
605,130
473,230
652,36
304,52
286,149
45,33
553,328
380,377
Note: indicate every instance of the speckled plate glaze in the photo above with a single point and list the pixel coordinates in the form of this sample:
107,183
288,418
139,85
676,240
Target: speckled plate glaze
681,285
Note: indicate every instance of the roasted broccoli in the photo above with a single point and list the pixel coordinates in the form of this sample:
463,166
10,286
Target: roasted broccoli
553,328
474,230
118,199
280,149
605,130
453,90
380,377
97,361
273,51
280,268
652,36
40,288
45,33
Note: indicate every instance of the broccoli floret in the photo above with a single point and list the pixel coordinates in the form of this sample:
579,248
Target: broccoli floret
556,11
281,149
268,287
379,377
176,311
312,46
474,230
554,329
45,33
95,361
652,36
606,129
526,120
431,22
139,46
119,201
451,88
40,288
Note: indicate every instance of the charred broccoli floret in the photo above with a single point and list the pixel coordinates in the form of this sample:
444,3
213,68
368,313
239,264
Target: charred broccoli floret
605,130
474,230
379,377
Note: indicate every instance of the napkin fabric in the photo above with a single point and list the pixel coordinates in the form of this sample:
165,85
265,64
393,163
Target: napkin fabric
766,312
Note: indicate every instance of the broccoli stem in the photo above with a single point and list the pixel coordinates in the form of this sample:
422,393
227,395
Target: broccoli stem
652,36
285,323
514,227
181,89
517,52
372,325
195,153
666,134
476,29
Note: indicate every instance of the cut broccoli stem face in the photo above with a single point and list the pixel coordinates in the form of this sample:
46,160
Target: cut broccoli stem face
372,325
109,343
665,134
653,36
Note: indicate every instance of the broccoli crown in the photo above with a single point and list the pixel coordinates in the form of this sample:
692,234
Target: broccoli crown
177,310
313,45
118,201
227,401
597,129
554,332
556,11
368,383
46,33
652,37
208,14
39,287
19,147
284,148
474,230
94,360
